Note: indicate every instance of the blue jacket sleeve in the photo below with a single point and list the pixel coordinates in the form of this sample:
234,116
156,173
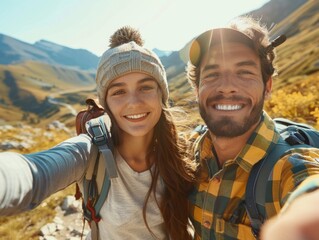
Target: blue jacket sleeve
26,180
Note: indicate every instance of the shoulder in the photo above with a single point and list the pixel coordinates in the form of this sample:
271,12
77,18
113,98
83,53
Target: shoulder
80,139
297,156
298,162
82,142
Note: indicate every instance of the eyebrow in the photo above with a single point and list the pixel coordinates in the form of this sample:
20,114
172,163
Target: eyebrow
210,67
240,64
147,79
143,80
247,63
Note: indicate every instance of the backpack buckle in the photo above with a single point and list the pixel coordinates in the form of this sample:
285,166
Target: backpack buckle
98,136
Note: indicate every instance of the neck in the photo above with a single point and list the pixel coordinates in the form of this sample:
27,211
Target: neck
135,151
229,147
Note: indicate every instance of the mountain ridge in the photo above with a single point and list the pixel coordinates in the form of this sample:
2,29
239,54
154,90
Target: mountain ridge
15,51
59,72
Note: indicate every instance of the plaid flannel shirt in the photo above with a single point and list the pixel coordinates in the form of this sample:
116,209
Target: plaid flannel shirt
216,204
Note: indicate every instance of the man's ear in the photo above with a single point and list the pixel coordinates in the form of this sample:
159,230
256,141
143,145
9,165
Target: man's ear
268,88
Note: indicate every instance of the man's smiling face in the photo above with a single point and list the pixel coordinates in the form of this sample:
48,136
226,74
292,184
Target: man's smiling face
231,90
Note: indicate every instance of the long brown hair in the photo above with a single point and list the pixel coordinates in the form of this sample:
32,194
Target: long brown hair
174,168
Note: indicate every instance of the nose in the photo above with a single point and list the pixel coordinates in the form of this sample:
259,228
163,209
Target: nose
227,84
134,98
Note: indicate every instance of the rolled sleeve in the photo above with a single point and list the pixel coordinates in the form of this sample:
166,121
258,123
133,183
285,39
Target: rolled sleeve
304,174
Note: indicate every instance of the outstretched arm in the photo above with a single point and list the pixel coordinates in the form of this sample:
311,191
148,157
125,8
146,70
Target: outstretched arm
300,220
26,180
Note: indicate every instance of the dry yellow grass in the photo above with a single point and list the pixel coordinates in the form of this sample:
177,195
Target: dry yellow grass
298,101
26,225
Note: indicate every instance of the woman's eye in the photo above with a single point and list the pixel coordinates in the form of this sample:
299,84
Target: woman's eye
118,92
146,88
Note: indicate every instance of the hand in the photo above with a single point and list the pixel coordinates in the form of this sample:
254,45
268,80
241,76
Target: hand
300,221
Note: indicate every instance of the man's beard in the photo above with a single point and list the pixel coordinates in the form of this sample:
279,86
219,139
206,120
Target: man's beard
228,127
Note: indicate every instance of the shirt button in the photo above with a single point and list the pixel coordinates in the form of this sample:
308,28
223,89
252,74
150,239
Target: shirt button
207,224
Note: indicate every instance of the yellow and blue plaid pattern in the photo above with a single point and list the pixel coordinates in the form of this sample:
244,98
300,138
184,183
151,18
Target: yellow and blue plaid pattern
216,204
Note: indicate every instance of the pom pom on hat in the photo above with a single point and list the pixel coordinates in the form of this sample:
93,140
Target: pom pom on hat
125,35
127,55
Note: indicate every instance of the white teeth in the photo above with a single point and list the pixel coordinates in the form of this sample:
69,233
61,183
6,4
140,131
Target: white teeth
136,116
228,107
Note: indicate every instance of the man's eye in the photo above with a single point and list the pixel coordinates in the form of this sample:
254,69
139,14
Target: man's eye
244,72
212,75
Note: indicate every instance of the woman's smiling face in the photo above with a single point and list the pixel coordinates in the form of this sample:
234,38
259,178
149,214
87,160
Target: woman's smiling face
135,100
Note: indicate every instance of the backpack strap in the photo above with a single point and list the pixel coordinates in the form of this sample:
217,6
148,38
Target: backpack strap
97,181
195,138
257,180
102,139
292,136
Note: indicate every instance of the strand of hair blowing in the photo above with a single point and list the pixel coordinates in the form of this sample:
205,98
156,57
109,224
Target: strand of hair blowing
176,176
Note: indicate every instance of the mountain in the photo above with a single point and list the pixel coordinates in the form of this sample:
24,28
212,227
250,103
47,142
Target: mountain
297,19
31,74
161,53
28,87
14,51
275,11
298,56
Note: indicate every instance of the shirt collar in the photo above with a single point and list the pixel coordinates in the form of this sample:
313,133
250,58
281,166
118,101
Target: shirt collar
260,142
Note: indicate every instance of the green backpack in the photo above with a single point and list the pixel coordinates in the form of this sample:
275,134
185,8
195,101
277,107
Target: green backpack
293,135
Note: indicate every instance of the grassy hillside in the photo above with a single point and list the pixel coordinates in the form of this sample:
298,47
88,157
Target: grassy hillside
276,11
26,87
295,90
298,56
42,78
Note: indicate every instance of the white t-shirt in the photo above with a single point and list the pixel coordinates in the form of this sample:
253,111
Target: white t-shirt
122,212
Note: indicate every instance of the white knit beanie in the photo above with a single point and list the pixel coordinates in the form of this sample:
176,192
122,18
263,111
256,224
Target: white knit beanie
125,58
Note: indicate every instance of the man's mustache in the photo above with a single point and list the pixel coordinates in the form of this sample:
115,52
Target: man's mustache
231,98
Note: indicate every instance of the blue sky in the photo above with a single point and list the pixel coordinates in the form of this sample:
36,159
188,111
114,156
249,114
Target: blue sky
88,24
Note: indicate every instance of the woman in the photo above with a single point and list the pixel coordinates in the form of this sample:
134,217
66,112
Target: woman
148,198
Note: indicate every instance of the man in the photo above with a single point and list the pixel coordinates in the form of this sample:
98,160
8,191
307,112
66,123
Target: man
231,71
